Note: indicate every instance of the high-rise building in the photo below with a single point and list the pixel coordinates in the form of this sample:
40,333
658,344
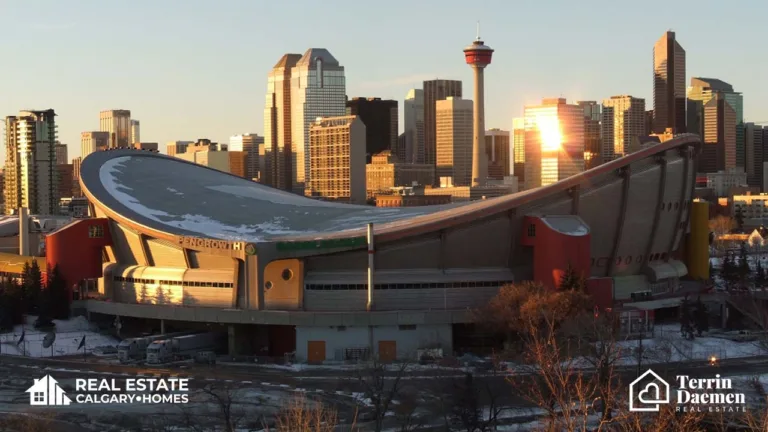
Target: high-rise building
31,177
207,153
554,142
719,136
623,120
593,149
454,121
337,159
386,171
248,144
413,117
669,85
172,148
755,147
649,122
76,191
238,164
435,90
135,131
381,123
118,124
497,148
478,55
93,141
318,89
276,170
701,91
61,154
518,149
65,173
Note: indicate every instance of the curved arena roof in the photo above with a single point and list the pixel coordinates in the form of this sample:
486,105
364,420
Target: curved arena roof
169,196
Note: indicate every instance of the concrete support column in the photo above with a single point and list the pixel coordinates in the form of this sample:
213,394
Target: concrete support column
162,326
231,340
479,158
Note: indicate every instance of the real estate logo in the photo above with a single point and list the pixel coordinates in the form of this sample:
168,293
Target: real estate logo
46,391
650,391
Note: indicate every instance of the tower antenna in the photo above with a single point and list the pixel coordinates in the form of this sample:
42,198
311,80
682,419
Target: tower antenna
478,30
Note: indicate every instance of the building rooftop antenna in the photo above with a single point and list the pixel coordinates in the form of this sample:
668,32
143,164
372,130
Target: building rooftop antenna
478,30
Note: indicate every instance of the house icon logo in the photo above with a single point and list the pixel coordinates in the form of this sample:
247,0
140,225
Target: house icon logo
648,392
46,391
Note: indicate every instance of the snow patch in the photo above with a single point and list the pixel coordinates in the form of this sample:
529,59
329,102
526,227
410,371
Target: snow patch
69,333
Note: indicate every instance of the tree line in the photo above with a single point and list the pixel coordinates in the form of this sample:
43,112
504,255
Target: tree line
738,274
31,294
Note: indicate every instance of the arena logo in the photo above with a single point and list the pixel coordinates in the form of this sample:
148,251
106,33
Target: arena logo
649,392
46,391
195,242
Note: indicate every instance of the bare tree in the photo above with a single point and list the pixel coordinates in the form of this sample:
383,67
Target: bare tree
381,385
29,422
303,415
227,415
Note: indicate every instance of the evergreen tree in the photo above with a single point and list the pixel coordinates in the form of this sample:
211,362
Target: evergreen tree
728,270
56,296
739,217
686,318
759,274
743,269
701,317
571,280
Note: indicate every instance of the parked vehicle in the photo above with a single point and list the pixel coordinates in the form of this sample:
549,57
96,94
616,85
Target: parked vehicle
181,347
135,349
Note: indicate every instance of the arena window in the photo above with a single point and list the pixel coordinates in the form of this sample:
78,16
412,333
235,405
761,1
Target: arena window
95,231
444,285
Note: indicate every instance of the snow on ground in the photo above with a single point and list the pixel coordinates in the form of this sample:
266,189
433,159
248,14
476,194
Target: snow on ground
69,333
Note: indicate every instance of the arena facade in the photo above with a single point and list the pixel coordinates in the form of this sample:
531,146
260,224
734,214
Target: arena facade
171,240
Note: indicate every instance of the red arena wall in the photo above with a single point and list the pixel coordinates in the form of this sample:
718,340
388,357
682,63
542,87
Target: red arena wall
76,250
554,251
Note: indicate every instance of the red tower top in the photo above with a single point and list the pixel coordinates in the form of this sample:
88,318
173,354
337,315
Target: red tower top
478,54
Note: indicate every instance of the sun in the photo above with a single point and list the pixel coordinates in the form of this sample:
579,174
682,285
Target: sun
549,130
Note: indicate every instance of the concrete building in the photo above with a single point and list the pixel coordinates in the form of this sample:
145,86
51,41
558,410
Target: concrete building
30,175
381,120
276,171
208,154
66,179
413,200
386,171
754,147
669,85
593,148
93,141
454,121
337,159
248,144
61,154
722,181
751,206
435,90
318,89
287,274
413,117
172,148
623,120
117,123
700,93
497,150
135,131
145,146
518,149
554,142
238,164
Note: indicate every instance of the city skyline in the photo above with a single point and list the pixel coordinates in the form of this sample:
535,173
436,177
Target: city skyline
177,100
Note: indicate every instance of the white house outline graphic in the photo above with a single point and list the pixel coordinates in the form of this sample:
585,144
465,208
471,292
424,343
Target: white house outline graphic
46,391
652,384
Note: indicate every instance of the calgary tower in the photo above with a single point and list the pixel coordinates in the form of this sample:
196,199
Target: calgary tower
478,55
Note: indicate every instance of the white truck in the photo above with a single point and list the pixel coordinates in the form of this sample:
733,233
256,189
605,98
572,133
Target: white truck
181,347
135,349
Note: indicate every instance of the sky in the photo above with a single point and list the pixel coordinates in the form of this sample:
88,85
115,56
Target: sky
191,69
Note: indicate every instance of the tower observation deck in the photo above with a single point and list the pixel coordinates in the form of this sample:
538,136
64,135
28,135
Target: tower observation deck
478,55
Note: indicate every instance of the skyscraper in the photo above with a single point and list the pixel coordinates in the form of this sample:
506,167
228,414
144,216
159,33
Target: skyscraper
497,147
518,149
454,121
701,91
592,143
93,141
118,124
669,85
249,145
31,176
413,116
61,154
337,159
381,120
554,142
172,148
76,191
623,120
719,136
277,168
318,89
434,91
135,131
755,153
